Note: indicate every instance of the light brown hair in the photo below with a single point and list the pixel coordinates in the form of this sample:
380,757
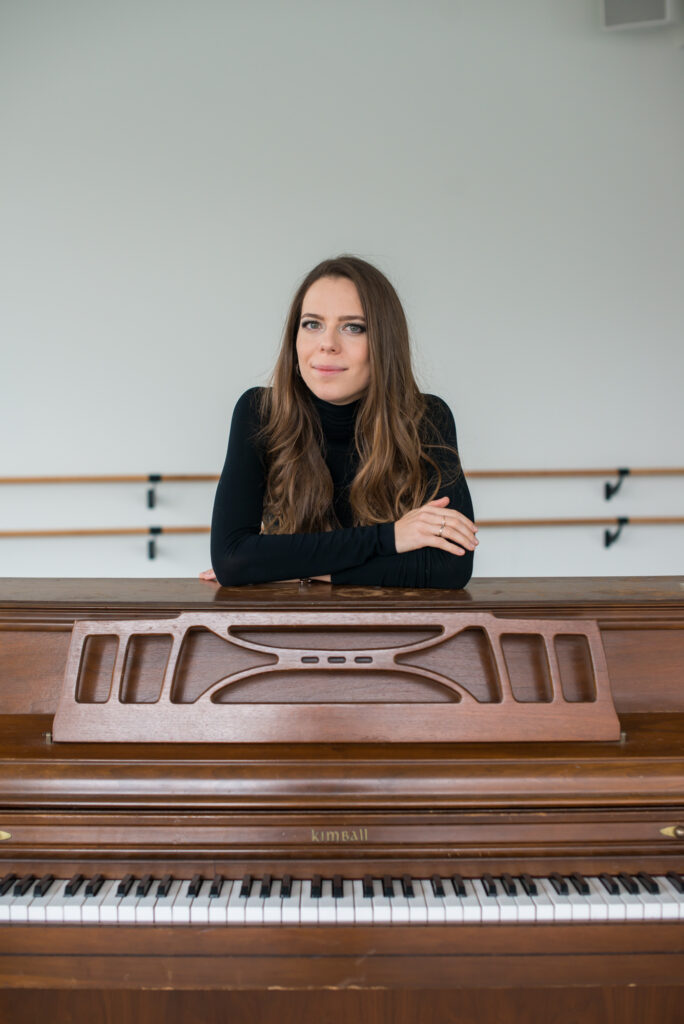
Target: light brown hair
393,430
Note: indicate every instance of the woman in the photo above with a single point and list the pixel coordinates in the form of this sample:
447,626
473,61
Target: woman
343,471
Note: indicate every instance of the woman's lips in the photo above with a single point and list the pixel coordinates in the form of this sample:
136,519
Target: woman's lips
328,370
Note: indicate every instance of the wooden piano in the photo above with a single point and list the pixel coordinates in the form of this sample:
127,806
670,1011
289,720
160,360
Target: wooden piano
307,802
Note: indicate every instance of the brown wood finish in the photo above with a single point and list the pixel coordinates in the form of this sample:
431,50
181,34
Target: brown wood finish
339,677
356,808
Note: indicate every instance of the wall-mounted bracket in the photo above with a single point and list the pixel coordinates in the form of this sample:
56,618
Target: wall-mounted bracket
610,538
152,544
154,478
611,489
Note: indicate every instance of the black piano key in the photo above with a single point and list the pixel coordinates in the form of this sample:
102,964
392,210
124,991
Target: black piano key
489,885
649,883
459,885
7,882
246,886
580,883
43,885
316,887
286,887
630,884
437,885
164,885
144,885
265,887
73,885
124,886
387,886
337,887
609,884
407,886
676,879
94,885
509,886
367,887
559,883
195,884
216,887
23,885
529,885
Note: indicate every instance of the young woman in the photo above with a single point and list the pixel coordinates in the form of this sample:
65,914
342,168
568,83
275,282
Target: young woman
343,471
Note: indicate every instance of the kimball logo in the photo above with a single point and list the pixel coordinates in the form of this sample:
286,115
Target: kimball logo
333,835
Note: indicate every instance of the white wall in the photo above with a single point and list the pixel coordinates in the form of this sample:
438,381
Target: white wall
170,170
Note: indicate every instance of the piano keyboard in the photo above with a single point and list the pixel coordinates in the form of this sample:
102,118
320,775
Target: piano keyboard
338,901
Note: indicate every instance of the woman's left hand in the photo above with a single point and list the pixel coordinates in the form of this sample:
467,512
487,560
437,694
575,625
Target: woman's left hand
209,575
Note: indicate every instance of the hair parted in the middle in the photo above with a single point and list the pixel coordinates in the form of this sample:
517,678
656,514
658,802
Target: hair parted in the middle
392,433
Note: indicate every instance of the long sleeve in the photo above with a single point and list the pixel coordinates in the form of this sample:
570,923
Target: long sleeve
241,554
425,567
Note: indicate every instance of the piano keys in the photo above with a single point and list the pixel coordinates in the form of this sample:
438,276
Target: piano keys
372,901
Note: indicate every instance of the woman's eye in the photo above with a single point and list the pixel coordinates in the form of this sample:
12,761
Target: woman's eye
358,328
309,323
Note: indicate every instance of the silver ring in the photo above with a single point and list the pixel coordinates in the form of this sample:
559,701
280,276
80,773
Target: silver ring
440,530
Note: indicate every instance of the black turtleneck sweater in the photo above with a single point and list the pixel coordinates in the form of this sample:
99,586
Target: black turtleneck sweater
353,554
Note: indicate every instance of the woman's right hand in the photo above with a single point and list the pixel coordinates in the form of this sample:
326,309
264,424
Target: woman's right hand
435,526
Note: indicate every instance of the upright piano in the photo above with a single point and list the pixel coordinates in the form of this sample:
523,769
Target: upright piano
303,801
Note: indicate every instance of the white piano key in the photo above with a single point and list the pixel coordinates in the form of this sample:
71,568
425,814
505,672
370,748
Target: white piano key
307,904
5,904
218,905
54,911
345,903
127,904
653,904
19,906
382,910
182,905
616,908
543,907
363,905
472,908
163,908
254,905
144,908
453,904
199,908
489,904
235,908
562,907
327,911
290,910
672,901
273,905
417,908
634,908
579,905
508,906
598,908
525,907
36,908
436,913
399,907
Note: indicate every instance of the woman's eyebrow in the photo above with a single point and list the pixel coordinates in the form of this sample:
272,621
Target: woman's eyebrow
354,316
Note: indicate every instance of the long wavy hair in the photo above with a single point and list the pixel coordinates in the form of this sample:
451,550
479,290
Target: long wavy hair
393,430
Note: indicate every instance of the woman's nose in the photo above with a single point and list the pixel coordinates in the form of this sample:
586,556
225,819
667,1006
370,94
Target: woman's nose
329,339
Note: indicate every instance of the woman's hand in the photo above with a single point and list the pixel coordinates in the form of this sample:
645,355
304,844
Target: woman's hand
209,575
435,526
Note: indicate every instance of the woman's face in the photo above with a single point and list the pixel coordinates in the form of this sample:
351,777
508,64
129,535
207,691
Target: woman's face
332,347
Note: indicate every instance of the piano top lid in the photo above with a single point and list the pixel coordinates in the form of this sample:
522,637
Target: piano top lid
494,593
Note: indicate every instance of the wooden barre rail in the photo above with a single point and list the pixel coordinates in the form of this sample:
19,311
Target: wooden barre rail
486,523
479,474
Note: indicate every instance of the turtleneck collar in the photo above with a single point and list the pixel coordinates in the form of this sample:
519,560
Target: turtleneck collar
337,420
